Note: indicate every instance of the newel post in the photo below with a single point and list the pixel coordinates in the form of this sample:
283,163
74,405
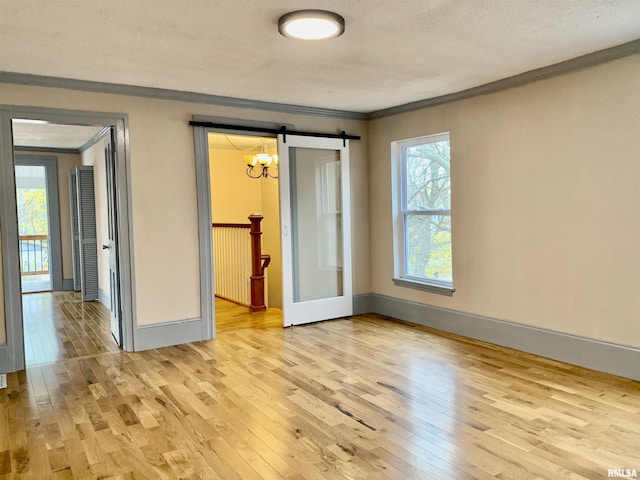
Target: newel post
258,263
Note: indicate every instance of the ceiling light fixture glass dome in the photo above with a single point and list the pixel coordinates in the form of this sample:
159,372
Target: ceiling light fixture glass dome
311,25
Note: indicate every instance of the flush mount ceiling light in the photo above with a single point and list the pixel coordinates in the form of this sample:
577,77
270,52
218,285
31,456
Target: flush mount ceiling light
311,25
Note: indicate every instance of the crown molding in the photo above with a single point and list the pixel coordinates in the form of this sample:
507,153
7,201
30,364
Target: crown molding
24,148
561,68
174,95
567,66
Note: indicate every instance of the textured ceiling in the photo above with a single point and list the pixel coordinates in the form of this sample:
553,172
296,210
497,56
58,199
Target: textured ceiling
241,143
393,52
51,135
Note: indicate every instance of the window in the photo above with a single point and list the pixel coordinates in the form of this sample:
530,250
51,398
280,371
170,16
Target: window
422,208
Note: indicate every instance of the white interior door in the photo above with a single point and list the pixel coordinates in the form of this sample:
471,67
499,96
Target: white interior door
316,228
112,243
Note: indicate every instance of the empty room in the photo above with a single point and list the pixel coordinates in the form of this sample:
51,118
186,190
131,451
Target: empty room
297,240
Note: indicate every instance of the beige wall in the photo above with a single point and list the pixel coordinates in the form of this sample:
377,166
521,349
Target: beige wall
545,199
163,196
234,196
271,239
94,156
545,202
66,162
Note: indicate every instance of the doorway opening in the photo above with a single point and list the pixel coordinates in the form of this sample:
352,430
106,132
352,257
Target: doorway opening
58,324
39,149
314,212
33,208
236,194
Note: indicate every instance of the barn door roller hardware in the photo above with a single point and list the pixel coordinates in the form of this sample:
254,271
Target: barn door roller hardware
275,131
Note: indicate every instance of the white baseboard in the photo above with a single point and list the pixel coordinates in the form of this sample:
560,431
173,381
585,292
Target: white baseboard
104,298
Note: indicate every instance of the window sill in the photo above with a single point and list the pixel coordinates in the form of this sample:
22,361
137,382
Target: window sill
424,286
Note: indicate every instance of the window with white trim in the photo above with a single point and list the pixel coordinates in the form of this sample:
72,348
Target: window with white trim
423,213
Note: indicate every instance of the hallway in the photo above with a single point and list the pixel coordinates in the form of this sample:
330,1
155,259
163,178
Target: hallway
59,326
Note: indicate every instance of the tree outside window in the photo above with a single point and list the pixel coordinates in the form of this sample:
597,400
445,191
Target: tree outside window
33,225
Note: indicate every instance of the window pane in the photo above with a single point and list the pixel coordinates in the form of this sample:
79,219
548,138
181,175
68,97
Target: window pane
427,176
428,253
316,237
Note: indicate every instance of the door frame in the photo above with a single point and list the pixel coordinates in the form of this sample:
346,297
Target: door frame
12,354
50,163
203,191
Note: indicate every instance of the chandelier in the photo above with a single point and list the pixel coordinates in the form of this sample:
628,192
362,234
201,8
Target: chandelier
258,166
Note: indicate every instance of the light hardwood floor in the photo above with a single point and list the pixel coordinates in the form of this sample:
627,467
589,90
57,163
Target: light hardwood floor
358,398
60,325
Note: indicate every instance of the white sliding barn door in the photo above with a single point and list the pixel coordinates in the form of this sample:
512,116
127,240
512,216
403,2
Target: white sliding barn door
316,228
87,233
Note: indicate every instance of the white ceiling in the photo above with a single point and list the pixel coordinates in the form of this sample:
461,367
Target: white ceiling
393,52
241,143
51,135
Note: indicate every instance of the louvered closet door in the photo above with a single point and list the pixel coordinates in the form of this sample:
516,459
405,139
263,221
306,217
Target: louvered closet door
75,234
87,230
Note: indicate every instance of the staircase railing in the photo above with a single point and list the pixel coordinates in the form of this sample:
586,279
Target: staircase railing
239,264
